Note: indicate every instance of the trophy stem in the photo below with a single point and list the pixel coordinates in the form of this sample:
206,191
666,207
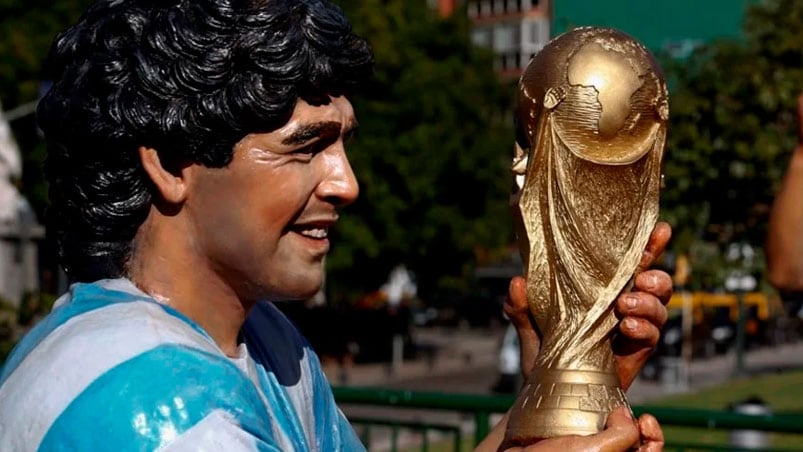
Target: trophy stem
558,402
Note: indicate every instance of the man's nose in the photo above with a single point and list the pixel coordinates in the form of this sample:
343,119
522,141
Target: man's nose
340,186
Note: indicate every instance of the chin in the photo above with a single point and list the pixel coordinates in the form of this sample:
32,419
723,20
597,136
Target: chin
301,291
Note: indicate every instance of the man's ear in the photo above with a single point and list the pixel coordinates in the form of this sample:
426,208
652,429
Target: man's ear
171,186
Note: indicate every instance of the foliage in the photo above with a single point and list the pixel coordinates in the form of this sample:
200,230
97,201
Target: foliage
16,320
431,157
432,154
26,30
731,132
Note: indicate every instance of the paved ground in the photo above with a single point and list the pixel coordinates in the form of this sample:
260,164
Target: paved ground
453,351
465,362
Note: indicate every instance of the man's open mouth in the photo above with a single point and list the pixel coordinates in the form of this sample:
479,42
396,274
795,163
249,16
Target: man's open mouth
313,232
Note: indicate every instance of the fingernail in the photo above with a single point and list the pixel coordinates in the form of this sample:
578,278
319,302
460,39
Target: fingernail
630,324
631,302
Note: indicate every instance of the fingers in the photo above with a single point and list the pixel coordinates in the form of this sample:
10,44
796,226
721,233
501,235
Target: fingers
638,333
655,282
660,236
516,304
642,311
643,315
652,437
621,432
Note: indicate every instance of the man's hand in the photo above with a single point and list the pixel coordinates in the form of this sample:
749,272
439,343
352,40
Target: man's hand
642,313
621,433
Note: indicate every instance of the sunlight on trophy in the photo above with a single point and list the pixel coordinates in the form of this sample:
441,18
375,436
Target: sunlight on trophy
591,125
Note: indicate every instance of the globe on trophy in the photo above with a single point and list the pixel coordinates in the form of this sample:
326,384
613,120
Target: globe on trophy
591,126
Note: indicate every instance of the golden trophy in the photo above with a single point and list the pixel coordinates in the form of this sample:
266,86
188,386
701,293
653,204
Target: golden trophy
591,125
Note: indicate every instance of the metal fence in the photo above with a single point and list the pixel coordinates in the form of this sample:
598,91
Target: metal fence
481,407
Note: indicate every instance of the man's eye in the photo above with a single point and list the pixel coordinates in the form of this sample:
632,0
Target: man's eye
348,136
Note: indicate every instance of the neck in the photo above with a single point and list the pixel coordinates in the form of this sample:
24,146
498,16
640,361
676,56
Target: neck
164,266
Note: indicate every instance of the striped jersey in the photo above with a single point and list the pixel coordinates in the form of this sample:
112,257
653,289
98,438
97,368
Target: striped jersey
112,369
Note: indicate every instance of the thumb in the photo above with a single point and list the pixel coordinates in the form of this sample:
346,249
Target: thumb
652,437
516,307
621,432
518,311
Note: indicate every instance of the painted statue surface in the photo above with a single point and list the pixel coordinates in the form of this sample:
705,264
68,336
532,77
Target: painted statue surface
117,370
195,164
592,114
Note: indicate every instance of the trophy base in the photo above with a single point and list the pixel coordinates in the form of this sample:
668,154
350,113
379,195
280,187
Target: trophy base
559,402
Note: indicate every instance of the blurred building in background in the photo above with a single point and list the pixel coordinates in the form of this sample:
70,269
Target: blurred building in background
517,29
19,229
514,29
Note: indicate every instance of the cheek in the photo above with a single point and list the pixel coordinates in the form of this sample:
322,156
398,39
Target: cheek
287,192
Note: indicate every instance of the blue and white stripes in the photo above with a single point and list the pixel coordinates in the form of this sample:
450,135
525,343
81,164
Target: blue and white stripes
111,369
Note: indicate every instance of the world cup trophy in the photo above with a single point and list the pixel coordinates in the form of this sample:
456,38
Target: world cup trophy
591,126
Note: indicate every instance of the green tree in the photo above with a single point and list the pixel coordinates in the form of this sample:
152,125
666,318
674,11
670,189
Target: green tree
26,30
731,133
432,154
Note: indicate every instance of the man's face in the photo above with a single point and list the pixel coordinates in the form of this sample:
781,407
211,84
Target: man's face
262,222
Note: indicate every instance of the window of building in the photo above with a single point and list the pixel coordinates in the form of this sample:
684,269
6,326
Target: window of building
481,37
539,31
485,8
535,33
473,9
505,38
503,61
506,61
518,61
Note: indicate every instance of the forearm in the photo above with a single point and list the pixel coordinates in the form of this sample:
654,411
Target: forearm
785,235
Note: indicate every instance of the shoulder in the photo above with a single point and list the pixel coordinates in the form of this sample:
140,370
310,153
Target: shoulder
129,368
152,398
146,400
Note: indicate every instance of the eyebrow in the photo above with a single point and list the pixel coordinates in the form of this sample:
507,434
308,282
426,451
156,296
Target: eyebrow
307,132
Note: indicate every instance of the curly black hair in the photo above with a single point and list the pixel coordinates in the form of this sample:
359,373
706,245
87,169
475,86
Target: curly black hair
189,78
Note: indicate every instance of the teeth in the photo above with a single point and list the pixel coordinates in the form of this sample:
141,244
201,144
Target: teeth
316,233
